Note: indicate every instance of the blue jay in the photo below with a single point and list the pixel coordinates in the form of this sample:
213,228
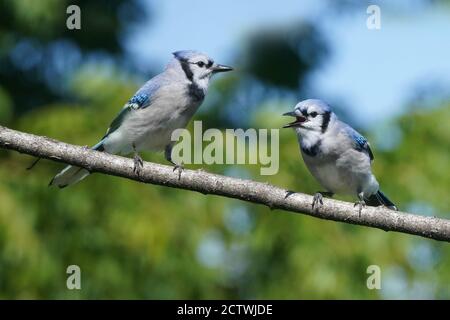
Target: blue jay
165,103
336,155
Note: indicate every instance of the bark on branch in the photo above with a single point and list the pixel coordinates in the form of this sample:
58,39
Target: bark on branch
207,183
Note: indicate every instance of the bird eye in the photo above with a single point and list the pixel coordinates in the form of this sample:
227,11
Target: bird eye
201,64
313,114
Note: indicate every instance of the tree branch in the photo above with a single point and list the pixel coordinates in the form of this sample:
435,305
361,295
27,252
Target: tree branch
207,183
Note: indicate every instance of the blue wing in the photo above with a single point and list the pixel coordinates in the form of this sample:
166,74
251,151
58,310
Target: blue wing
361,143
142,99
138,101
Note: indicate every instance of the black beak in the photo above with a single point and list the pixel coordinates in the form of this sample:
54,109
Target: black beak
299,119
220,68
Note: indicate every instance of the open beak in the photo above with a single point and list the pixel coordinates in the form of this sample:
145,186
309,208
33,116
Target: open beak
220,68
298,120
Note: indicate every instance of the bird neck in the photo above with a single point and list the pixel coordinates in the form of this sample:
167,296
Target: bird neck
196,92
309,139
201,85
197,86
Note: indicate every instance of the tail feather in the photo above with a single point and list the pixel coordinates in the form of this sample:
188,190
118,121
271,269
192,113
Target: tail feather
71,174
379,199
68,176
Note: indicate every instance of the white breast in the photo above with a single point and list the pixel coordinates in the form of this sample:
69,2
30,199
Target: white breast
345,173
327,174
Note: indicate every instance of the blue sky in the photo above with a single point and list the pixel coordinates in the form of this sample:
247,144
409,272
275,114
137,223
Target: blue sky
373,72
378,71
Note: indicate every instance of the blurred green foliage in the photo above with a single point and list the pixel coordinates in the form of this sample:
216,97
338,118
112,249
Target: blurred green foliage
142,241
38,53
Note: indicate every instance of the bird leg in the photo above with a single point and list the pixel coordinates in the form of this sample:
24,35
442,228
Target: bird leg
138,162
168,156
318,198
361,203
179,168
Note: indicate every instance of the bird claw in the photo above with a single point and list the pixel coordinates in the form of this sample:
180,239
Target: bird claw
361,204
138,164
318,199
179,168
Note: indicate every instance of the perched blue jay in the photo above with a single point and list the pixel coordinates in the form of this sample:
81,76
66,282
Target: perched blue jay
336,155
165,103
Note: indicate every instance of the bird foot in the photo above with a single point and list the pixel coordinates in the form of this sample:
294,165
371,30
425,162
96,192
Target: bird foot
179,168
318,199
138,164
361,204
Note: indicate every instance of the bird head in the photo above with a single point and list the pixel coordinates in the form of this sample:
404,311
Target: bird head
198,67
311,115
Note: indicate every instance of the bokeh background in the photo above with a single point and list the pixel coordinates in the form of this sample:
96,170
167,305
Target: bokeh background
143,241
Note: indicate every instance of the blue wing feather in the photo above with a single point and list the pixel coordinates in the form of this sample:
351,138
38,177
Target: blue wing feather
143,98
361,143
138,101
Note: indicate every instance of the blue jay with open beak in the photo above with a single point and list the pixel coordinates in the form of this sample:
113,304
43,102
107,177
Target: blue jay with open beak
336,155
165,103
